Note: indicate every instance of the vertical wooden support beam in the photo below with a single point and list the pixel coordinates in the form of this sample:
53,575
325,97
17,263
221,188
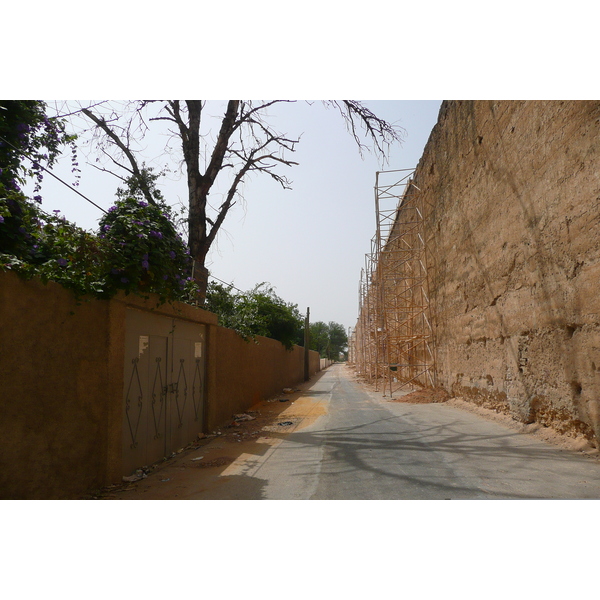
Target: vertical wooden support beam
306,345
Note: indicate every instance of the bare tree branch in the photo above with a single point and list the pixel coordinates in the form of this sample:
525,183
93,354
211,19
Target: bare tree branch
108,171
100,122
116,163
76,112
245,144
381,133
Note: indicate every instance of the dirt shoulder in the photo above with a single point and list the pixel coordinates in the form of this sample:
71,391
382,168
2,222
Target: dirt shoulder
577,443
201,465
574,443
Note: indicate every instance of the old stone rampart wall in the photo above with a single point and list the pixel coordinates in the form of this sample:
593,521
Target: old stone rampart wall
512,212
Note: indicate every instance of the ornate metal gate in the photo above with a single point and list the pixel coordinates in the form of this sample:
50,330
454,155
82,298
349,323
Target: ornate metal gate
164,387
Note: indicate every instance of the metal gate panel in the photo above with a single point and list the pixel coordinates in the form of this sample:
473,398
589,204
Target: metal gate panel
164,393
186,388
156,410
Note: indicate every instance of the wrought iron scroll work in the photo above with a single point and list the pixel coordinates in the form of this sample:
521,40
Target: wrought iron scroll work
135,377
197,377
180,375
161,387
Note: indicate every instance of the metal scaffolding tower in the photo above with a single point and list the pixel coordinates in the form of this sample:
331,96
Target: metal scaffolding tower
392,338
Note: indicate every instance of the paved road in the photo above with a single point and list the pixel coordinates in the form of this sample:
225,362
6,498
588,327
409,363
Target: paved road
348,443
365,448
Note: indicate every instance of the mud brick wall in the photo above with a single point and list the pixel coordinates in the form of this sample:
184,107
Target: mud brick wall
512,193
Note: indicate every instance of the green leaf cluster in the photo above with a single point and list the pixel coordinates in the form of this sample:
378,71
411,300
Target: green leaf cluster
328,339
28,140
259,311
137,249
145,252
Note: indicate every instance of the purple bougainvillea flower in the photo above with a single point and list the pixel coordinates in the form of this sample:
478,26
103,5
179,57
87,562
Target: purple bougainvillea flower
124,280
1,219
62,262
38,199
106,228
143,204
140,235
56,210
145,264
172,254
112,209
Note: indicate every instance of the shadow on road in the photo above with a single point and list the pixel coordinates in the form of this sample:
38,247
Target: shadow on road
406,455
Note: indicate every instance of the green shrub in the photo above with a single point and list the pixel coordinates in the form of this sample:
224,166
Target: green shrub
136,249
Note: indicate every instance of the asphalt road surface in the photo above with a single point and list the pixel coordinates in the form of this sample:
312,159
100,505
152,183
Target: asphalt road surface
349,443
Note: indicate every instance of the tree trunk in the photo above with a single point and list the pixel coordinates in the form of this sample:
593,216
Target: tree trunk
201,279
199,185
197,241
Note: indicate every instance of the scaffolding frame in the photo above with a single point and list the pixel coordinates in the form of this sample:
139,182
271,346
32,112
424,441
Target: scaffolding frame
392,340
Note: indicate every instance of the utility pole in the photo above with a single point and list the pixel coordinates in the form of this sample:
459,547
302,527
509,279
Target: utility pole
306,343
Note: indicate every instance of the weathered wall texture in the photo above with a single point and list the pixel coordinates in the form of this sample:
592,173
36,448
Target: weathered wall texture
513,227
62,391
246,372
56,425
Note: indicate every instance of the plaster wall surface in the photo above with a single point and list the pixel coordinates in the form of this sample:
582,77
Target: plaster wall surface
512,197
56,418
247,372
63,383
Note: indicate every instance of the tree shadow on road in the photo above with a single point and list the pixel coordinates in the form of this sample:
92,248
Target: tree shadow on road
429,462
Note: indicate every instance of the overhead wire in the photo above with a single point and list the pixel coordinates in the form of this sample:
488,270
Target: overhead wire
226,283
35,162
86,198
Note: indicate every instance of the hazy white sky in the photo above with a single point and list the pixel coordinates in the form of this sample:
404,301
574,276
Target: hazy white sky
308,242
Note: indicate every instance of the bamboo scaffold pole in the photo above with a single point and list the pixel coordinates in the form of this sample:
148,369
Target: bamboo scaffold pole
393,332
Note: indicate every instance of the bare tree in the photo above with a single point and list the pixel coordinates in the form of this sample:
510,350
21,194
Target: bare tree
245,144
